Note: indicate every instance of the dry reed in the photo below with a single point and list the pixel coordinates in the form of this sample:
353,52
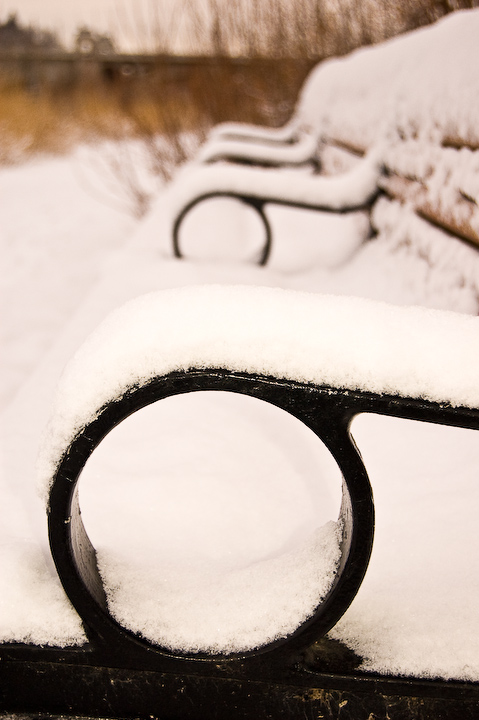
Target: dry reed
280,40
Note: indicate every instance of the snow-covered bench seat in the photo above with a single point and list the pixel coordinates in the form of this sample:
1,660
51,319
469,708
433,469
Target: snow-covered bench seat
321,359
439,183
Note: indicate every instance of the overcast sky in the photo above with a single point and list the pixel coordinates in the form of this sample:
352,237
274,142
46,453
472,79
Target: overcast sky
130,21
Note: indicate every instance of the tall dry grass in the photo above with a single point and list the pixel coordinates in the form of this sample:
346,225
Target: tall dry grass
171,111
168,110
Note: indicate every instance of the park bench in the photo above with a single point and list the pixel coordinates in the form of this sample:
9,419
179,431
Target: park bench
258,187
389,171
426,151
119,673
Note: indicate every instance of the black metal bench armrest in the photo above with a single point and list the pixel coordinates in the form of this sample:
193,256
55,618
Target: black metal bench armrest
118,675
257,187
327,411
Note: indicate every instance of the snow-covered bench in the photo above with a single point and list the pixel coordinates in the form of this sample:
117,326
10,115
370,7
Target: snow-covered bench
326,359
257,187
437,181
417,364
252,147
427,130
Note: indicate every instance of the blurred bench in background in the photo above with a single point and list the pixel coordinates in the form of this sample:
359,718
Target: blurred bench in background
426,130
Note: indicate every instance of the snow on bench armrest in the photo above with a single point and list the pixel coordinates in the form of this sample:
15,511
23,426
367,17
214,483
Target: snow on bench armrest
338,342
252,150
246,132
349,191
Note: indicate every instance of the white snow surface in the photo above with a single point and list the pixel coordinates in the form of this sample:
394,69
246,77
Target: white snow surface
301,151
334,341
200,609
245,132
243,487
421,84
212,570
35,247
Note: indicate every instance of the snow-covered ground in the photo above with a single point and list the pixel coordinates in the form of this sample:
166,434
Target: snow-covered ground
218,494
55,238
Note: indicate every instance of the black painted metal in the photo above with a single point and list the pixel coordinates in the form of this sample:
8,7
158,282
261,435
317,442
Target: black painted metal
75,557
64,685
258,203
119,675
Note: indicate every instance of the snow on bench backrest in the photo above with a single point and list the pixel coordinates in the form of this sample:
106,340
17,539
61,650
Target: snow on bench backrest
423,82
420,94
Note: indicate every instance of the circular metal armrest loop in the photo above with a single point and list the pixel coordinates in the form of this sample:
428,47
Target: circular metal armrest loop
324,411
256,203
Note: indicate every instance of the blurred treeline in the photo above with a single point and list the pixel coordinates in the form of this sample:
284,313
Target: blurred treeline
252,57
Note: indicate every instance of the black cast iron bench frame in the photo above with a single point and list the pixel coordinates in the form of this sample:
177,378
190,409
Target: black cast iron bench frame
258,204
119,675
